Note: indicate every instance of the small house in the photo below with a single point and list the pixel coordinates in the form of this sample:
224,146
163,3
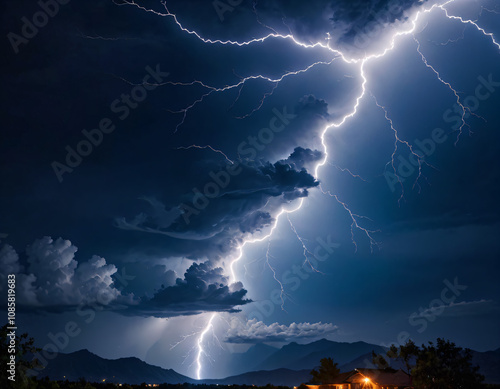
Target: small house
369,379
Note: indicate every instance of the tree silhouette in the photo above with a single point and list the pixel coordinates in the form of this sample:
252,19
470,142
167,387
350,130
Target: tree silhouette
406,354
445,366
327,372
24,360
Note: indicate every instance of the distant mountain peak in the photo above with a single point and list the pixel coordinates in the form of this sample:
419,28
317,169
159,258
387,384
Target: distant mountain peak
131,370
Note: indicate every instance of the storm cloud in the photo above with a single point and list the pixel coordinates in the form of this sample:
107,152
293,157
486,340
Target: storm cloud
233,201
203,289
53,280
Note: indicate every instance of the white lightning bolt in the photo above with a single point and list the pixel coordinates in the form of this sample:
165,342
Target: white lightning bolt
271,231
201,351
471,22
362,64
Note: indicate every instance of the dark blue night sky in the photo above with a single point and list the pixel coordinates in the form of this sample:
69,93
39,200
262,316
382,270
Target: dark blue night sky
285,170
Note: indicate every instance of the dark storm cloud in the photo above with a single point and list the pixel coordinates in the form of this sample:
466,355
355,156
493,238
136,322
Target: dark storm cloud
203,289
229,201
304,157
55,282
309,104
339,21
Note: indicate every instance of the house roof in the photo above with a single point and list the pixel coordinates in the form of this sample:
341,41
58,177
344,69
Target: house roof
377,376
340,379
384,377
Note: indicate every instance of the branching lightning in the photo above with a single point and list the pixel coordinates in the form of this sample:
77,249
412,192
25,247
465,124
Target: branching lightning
355,225
212,89
206,147
346,170
282,289
471,22
262,239
306,251
397,140
464,109
488,10
362,63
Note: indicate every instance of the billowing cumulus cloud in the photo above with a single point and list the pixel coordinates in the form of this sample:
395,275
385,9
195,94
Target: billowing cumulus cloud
9,260
253,331
301,158
204,288
54,281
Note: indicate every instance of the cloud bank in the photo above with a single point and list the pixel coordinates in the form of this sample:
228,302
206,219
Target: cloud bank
54,281
253,331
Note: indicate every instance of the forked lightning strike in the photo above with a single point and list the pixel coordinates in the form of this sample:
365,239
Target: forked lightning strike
262,239
397,140
471,22
306,251
343,169
275,81
282,289
465,109
362,63
354,224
